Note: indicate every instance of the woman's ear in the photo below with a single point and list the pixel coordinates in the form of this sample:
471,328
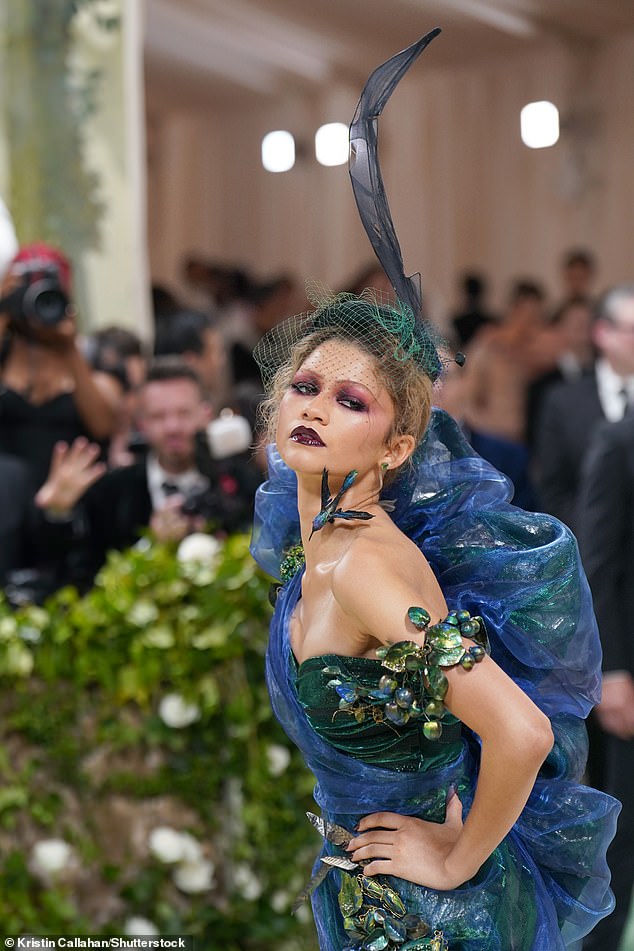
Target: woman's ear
399,449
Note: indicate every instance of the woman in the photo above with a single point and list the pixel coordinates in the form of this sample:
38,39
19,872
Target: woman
48,391
400,752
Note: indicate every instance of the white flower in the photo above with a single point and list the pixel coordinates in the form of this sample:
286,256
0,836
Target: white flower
247,882
171,846
191,848
142,613
176,712
138,927
8,628
280,901
199,548
51,856
166,844
194,877
278,757
18,660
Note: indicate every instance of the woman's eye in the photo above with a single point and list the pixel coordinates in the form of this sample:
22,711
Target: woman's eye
352,403
306,389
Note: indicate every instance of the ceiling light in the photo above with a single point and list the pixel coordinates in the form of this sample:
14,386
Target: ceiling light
539,124
278,151
332,144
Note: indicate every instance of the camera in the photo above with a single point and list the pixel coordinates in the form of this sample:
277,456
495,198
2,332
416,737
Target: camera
39,298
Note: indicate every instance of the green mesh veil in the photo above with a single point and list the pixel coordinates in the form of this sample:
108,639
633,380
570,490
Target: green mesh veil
383,326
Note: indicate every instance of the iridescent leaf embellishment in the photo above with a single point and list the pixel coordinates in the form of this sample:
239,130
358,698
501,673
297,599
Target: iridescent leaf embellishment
395,930
396,654
377,941
447,658
419,617
351,925
350,896
438,683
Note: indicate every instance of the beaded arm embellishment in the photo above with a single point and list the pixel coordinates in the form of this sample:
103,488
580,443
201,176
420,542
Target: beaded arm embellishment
415,685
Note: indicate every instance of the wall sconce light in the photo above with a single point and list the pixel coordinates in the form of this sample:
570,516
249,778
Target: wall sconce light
278,151
539,124
332,144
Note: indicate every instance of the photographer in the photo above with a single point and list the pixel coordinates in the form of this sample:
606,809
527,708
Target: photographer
179,487
48,392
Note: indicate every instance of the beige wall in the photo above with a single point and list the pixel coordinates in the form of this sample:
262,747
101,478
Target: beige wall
464,190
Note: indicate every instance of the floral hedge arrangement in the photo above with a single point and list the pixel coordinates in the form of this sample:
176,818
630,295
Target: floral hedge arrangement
144,785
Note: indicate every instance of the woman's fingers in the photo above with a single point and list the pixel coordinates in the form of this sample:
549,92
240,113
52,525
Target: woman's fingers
382,836
380,867
383,820
453,814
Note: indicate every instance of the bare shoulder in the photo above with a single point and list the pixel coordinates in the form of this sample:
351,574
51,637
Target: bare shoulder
379,578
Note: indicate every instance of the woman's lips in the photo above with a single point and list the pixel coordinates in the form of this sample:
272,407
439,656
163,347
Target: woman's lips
307,437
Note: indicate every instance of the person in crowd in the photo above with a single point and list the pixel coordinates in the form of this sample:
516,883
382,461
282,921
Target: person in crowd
571,410
502,362
605,525
120,352
48,391
578,275
271,302
36,533
575,355
507,456
194,337
164,303
473,314
176,489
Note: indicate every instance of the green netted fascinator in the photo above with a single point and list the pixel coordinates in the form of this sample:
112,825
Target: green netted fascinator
384,327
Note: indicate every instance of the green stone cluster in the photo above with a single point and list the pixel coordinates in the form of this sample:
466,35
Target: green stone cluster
416,685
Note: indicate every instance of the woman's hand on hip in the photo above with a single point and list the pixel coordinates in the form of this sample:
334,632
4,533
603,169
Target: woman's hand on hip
410,848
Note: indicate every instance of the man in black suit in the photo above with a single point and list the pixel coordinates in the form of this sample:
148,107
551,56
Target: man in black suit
606,541
570,411
176,489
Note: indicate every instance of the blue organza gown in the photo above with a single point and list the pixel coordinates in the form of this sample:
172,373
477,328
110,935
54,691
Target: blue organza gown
547,884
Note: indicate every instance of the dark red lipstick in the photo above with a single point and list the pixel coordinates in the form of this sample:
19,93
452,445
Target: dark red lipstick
306,436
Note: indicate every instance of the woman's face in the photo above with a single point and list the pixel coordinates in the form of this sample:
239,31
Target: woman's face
335,414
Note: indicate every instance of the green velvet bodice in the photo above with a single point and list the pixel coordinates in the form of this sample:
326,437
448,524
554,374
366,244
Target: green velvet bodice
403,748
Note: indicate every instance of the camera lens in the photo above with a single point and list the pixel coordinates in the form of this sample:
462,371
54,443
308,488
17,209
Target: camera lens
50,307
45,303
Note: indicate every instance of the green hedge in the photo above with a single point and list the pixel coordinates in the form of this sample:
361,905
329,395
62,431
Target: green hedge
142,707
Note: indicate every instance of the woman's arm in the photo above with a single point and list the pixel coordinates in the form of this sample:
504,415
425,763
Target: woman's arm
516,738
97,395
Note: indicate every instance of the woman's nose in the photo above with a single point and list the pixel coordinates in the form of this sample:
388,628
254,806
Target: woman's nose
316,409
